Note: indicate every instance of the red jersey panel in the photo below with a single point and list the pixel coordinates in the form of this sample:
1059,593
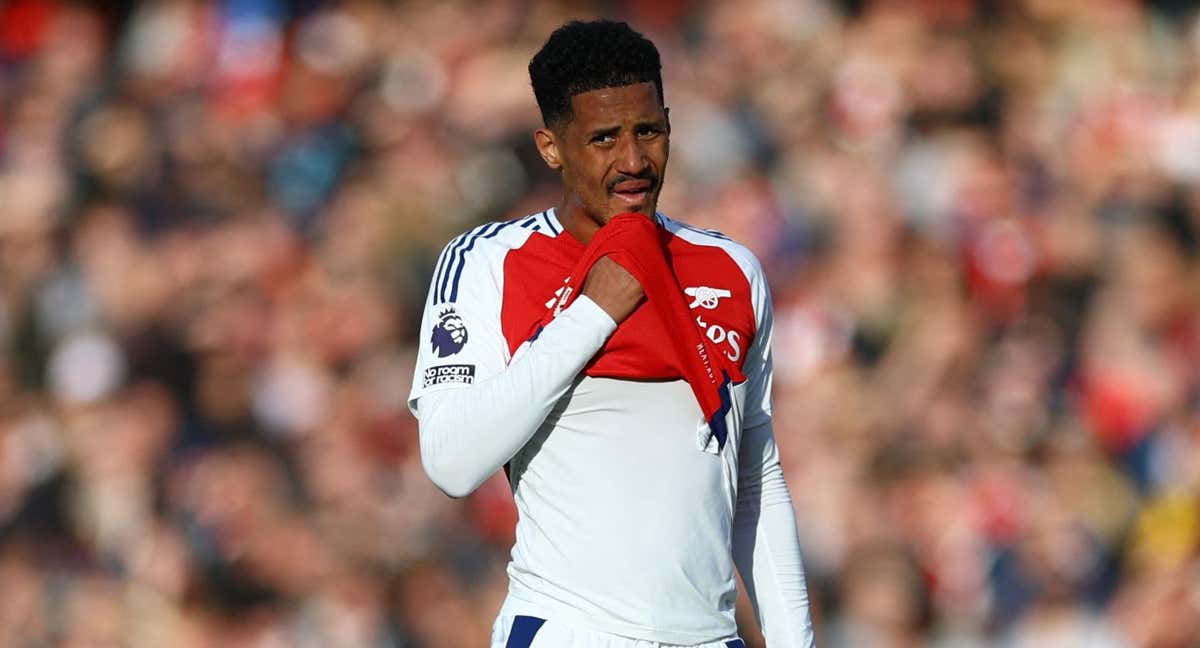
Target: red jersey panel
715,286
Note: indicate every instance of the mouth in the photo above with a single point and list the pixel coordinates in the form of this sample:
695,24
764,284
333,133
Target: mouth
633,192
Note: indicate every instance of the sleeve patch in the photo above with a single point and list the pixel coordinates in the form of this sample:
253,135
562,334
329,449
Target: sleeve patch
463,374
449,333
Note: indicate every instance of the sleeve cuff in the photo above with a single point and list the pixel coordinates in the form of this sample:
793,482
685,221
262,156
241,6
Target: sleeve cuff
587,313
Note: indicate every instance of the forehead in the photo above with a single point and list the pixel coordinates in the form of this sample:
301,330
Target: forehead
637,102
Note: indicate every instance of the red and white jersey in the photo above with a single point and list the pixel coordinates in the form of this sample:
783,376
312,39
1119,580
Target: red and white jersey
625,524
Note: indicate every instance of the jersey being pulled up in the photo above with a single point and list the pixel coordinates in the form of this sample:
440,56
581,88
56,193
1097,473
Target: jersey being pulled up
625,524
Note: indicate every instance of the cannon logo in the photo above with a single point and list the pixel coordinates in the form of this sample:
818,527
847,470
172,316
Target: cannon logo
706,297
445,374
449,334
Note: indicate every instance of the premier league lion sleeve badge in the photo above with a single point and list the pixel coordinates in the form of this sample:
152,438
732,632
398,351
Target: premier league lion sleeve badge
449,333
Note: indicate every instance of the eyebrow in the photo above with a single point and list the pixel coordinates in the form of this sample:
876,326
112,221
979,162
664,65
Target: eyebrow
599,132
613,130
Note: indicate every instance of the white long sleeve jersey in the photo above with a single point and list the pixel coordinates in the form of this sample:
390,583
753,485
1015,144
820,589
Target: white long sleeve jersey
628,523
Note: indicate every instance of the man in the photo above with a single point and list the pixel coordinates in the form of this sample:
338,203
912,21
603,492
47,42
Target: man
630,521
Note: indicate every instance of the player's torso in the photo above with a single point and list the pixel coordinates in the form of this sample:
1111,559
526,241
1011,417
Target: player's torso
624,519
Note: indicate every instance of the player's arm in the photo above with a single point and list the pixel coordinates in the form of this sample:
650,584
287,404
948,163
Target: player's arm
476,411
766,548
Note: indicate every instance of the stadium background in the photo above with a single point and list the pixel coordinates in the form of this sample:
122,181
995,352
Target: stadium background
217,220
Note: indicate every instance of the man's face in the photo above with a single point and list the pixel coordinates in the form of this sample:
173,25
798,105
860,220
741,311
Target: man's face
613,152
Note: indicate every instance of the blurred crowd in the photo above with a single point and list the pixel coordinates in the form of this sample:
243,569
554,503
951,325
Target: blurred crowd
218,217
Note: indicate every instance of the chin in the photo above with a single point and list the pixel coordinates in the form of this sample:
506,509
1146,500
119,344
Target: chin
645,209
614,210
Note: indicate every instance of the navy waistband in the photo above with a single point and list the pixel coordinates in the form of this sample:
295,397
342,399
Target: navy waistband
524,629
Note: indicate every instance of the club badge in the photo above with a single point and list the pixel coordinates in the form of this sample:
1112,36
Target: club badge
705,296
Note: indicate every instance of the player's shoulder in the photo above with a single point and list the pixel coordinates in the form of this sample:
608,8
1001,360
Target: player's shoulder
503,235
739,253
481,250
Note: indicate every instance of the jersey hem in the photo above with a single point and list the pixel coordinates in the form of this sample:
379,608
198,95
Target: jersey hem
547,608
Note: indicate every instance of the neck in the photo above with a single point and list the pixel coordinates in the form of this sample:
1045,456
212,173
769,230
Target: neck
577,222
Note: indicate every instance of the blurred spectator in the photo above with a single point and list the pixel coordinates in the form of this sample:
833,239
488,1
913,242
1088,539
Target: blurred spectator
217,221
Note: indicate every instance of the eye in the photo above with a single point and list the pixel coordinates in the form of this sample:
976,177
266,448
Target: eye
603,138
648,131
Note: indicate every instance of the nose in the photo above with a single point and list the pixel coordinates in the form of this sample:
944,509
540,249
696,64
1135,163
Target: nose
631,157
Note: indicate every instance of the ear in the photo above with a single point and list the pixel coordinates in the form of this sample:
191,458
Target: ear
547,146
667,116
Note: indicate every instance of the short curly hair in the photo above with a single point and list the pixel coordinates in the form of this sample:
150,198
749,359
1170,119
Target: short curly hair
583,56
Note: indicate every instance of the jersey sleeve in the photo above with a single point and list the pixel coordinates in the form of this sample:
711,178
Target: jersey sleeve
758,366
766,547
461,342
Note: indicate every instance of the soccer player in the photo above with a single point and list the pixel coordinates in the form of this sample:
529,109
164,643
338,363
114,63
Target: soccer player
631,519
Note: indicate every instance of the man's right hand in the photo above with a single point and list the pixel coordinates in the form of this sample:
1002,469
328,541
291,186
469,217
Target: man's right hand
613,289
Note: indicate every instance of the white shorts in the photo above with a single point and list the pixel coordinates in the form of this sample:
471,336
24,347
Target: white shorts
523,631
